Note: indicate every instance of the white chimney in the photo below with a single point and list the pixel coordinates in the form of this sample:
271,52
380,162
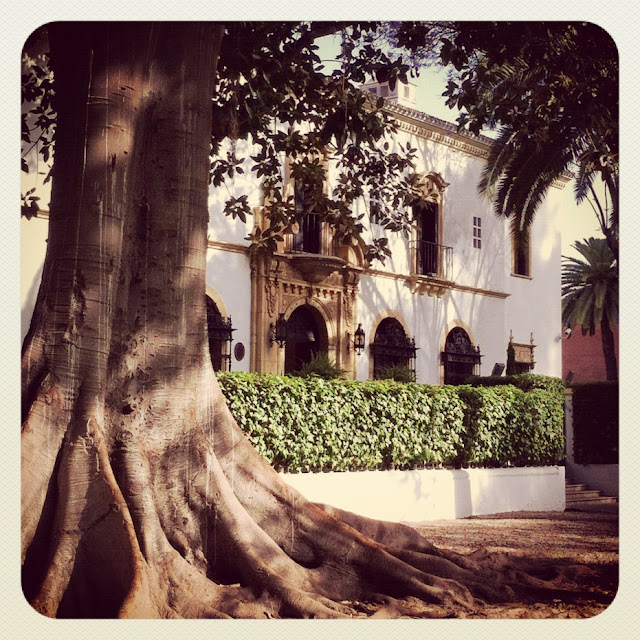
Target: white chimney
402,93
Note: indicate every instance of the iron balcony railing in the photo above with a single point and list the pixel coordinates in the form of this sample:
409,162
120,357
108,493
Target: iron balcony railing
314,237
309,237
434,260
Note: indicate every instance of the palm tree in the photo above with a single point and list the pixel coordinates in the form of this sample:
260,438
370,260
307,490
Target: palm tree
520,169
590,295
550,90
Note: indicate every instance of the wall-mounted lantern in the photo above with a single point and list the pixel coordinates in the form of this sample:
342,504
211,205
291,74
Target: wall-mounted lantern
279,331
358,340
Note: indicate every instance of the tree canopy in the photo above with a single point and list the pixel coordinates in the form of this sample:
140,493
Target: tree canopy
551,90
272,90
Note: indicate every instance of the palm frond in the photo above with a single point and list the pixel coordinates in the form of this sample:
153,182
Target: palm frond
590,286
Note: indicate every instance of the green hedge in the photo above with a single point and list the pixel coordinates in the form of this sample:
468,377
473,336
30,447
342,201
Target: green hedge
595,422
311,424
523,381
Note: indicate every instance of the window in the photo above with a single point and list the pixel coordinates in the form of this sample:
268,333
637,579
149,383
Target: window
521,246
307,176
426,215
374,211
308,238
460,358
430,257
477,232
392,347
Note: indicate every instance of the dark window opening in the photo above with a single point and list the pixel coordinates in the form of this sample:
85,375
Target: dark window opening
392,347
306,338
220,335
426,215
521,367
460,358
522,255
308,238
375,211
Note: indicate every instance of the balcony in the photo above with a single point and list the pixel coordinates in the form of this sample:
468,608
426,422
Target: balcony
314,253
432,268
434,260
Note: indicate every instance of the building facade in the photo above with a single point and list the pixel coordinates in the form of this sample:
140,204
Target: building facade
451,299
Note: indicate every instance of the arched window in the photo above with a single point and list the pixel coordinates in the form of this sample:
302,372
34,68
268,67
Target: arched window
460,357
392,347
220,337
306,338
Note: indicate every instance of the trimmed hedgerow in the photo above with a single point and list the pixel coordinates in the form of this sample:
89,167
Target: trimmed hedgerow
312,424
524,381
595,422
508,426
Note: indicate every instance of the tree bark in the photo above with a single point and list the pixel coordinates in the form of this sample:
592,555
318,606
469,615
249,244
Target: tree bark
608,349
140,495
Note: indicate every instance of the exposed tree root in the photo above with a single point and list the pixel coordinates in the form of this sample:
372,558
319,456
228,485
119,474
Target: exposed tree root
190,522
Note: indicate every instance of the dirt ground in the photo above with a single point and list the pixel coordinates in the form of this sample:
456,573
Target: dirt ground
574,551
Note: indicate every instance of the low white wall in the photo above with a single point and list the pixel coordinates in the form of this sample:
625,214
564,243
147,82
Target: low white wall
419,495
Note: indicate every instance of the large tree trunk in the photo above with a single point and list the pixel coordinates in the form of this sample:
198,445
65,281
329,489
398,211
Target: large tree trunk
141,497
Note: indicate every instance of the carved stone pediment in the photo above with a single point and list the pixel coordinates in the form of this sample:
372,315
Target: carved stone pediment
431,186
314,267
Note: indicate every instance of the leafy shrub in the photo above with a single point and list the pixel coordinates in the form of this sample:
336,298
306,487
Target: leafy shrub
313,424
322,366
595,422
523,381
397,372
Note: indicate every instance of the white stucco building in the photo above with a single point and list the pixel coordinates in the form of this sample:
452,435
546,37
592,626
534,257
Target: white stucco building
446,303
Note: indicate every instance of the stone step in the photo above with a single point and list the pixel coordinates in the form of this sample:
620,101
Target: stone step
581,494
596,500
573,488
590,496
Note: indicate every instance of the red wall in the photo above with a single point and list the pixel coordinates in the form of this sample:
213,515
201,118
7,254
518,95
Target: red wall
583,355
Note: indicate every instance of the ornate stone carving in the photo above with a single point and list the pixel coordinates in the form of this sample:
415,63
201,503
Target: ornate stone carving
349,300
271,290
315,268
431,186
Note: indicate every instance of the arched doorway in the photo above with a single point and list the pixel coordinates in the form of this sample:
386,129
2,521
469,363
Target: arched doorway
460,357
392,347
306,338
219,331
